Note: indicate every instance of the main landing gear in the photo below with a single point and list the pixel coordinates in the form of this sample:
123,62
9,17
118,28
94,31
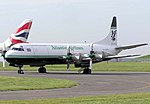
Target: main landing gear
20,71
42,69
86,70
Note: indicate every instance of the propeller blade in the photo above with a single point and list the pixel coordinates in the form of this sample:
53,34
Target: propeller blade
69,55
3,62
92,53
103,54
68,66
3,54
68,50
91,64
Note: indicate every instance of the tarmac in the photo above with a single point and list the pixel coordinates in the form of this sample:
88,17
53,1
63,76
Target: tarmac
97,83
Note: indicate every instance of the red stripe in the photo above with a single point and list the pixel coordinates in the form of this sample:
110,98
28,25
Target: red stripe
25,26
14,41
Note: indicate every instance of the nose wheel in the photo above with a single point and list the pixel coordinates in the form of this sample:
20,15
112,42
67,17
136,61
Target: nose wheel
20,71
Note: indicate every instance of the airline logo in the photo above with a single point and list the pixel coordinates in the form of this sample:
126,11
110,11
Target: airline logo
22,32
113,36
54,47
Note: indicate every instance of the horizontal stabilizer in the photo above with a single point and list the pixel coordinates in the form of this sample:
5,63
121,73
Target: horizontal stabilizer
130,46
121,56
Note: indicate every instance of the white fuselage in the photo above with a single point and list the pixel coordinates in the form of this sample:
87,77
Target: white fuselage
54,50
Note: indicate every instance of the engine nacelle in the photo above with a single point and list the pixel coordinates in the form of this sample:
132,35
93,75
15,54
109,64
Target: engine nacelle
98,56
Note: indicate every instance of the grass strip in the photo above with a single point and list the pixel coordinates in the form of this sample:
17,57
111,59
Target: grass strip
29,83
140,98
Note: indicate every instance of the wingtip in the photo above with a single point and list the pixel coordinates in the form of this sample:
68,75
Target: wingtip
146,43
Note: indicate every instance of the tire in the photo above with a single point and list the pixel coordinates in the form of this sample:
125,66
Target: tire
42,70
20,72
87,71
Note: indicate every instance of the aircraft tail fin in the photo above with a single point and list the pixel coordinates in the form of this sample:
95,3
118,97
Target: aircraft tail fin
21,33
111,38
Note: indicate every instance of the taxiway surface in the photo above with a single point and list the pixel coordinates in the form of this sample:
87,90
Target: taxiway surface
98,83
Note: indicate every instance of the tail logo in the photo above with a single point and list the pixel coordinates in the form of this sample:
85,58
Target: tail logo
113,36
22,32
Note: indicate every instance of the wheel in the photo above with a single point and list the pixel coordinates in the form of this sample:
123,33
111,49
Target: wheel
87,71
42,70
20,72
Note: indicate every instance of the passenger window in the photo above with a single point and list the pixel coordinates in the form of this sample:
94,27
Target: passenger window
28,50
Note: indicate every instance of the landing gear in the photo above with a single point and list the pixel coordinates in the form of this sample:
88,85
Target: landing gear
20,71
86,71
42,69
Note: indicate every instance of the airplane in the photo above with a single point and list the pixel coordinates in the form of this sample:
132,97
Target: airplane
19,36
81,55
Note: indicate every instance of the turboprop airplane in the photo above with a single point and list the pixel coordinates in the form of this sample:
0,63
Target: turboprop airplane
81,55
19,36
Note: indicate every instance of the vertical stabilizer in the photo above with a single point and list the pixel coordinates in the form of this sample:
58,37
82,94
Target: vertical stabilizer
20,35
22,32
111,38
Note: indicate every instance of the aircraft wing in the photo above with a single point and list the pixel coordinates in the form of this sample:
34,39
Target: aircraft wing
130,46
121,56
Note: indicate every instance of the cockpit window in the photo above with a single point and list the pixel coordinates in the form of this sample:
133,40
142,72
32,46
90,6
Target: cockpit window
18,49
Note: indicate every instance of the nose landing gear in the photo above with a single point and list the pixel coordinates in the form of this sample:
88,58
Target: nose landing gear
20,71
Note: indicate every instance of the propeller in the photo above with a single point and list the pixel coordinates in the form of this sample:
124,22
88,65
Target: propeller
3,54
94,56
91,55
68,57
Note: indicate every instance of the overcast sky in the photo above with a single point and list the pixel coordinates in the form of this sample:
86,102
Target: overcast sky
74,21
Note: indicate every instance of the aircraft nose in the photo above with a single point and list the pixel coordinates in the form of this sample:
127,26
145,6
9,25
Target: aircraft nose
8,54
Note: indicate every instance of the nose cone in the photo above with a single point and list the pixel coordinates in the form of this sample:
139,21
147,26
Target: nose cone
9,54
